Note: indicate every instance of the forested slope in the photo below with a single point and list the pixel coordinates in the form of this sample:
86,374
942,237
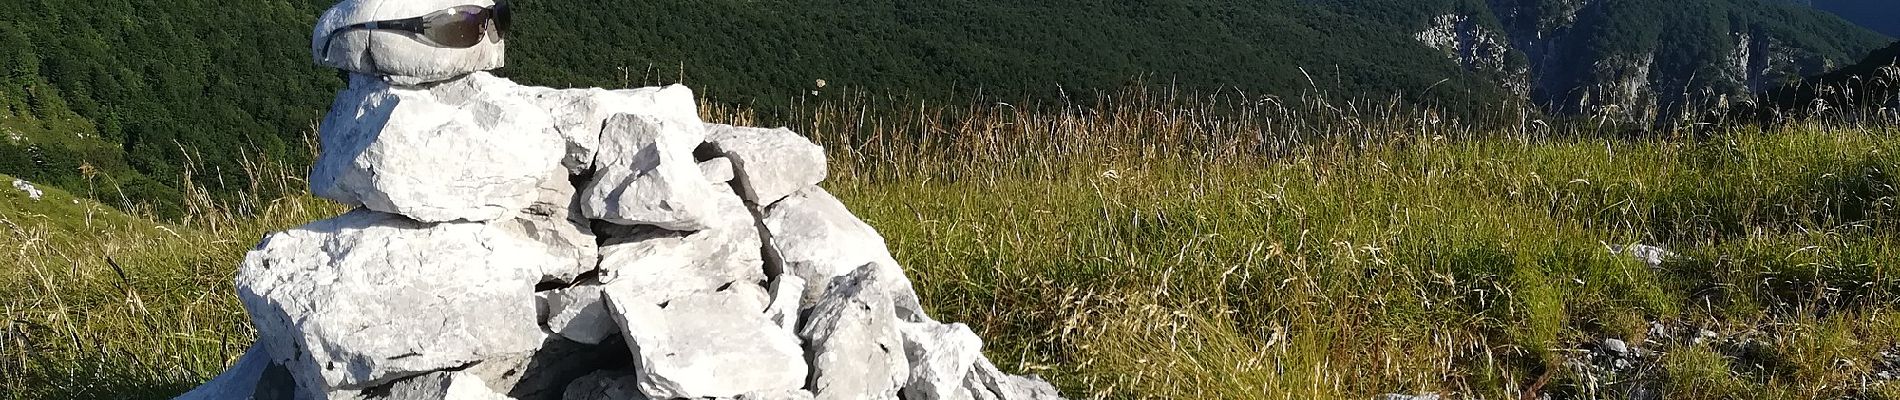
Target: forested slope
120,97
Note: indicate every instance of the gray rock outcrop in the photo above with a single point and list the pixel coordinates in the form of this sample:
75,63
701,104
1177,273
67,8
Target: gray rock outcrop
583,245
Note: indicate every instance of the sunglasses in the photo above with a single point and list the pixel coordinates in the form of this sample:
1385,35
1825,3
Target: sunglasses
458,27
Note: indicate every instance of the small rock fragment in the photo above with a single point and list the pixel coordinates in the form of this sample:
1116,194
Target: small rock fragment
986,382
1616,346
717,170
579,313
604,385
940,355
454,385
787,296
543,373
238,382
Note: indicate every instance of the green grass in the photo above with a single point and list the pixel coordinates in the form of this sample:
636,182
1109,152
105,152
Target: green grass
1172,254
1468,268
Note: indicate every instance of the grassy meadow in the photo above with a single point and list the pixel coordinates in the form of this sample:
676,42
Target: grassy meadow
1224,247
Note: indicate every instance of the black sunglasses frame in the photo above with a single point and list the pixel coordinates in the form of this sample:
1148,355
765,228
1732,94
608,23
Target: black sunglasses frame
498,14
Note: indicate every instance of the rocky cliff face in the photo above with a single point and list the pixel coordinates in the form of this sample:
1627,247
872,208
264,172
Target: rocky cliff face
1595,56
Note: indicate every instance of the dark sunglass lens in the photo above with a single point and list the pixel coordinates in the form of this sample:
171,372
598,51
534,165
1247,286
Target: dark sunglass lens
504,17
459,29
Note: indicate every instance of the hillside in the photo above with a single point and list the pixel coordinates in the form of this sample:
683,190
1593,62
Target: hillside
97,102
1879,15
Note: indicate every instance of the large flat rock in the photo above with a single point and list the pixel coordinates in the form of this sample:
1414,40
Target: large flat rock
715,344
665,264
467,149
367,297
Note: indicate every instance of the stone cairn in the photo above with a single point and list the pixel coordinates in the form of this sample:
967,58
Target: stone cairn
516,242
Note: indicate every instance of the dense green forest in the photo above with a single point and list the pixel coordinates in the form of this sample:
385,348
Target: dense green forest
117,98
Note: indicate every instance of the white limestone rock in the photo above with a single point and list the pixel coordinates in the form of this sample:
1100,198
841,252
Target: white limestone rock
466,149
707,345
453,385
717,170
238,382
770,163
553,221
664,265
986,382
605,385
787,300
941,356
398,56
580,114
367,298
852,340
813,236
34,193
579,313
646,175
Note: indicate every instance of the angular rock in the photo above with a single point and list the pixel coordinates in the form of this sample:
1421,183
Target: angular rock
553,220
986,382
707,345
787,297
605,385
579,313
645,174
664,265
717,170
941,356
238,382
455,385
813,236
770,163
852,340
367,298
465,149
544,373
579,114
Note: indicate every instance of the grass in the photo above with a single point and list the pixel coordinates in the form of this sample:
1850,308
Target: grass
1159,247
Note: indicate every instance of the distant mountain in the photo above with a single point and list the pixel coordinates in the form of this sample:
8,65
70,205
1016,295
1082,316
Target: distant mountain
1871,84
1879,15
123,98
1580,55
